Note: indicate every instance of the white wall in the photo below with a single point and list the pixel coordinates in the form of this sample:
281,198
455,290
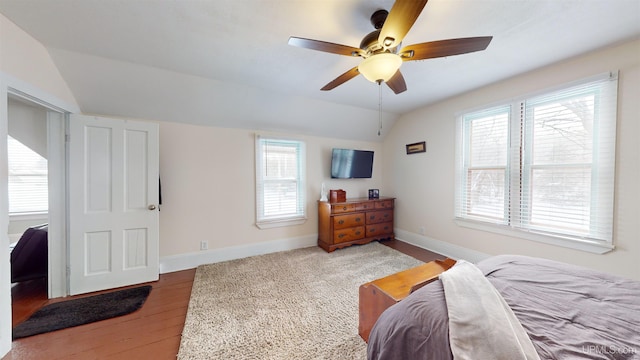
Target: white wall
24,58
424,183
208,188
28,124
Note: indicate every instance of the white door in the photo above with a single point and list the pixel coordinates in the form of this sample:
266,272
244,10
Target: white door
113,203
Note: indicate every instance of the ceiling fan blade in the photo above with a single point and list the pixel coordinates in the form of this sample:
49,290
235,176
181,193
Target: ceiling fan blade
435,49
400,19
396,83
350,74
325,46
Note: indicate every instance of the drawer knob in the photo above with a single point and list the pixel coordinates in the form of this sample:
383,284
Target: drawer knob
357,219
340,236
340,222
344,208
357,232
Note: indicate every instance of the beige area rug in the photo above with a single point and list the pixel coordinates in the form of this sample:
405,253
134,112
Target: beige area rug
299,304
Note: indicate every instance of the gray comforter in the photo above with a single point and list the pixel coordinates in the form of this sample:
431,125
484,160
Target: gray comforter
569,312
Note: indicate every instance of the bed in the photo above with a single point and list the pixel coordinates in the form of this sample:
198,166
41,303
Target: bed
569,312
29,256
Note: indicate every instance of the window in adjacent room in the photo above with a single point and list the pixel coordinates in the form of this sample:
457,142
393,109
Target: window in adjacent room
28,180
280,182
542,168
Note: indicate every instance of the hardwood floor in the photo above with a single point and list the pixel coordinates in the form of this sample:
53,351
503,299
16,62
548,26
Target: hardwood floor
153,332
414,251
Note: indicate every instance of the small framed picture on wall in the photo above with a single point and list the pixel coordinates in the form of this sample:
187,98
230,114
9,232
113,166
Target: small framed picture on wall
418,147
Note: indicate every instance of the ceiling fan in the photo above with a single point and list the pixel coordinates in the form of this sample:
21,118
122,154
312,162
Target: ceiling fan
380,49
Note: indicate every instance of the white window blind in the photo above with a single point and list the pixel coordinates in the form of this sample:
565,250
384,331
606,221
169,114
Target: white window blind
280,195
551,172
28,179
568,162
486,135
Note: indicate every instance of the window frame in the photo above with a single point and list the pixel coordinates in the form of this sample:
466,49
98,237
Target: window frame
300,216
466,145
516,180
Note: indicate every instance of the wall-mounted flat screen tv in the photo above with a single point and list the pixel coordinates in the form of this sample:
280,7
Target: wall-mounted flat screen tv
351,164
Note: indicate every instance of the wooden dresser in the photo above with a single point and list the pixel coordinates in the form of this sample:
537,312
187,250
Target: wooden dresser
355,221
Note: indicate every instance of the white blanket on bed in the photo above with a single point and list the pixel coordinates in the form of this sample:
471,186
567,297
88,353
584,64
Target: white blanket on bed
481,323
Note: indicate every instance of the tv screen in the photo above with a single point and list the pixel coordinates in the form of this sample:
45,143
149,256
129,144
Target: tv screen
351,164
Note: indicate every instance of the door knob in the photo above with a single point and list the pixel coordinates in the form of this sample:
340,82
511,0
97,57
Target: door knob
151,207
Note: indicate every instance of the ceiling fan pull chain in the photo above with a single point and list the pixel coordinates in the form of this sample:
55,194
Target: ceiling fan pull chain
379,107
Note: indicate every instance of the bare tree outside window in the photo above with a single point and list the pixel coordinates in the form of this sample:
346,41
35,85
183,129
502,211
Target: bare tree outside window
560,162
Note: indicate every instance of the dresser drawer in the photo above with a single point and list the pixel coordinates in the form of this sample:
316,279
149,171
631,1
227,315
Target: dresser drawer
348,220
386,204
342,208
375,217
380,229
349,234
369,205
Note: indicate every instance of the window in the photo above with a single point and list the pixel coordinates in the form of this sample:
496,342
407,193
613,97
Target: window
280,183
28,186
486,138
543,166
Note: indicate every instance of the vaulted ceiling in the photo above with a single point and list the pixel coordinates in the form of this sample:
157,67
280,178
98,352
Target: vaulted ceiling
227,62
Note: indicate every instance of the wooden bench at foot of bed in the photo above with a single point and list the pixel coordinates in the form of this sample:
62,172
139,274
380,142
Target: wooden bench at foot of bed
376,296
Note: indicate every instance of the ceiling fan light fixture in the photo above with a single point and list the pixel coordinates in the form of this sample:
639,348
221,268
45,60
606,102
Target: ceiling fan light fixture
380,66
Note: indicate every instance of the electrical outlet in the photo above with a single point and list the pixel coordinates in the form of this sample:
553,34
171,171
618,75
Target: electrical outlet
421,230
204,245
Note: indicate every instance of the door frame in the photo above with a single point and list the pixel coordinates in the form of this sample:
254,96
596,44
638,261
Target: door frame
10,85
57,213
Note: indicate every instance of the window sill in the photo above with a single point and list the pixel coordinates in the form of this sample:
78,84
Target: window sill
29,216
269,224
567,242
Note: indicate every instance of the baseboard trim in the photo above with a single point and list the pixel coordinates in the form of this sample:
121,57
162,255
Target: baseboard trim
440,247
193,260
